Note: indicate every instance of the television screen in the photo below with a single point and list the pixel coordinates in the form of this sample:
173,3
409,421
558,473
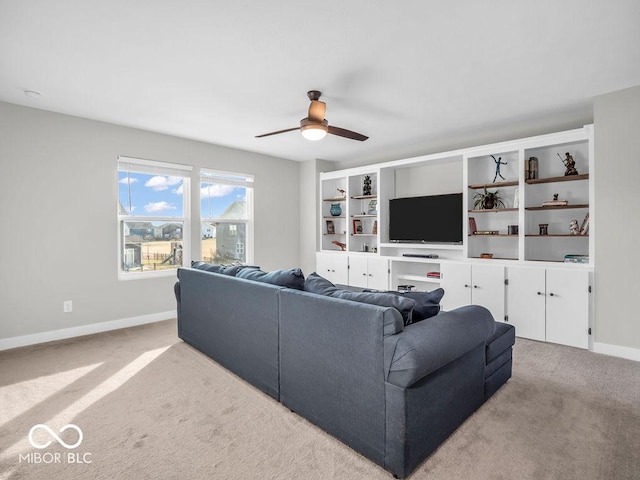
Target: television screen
429,219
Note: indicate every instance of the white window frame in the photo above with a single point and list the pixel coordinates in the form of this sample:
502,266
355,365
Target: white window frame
238,180
138,165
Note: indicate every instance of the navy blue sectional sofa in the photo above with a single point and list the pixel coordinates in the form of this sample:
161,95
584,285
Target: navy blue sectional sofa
392,392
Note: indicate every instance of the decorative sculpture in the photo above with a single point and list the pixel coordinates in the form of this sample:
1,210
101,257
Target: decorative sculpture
498,163
570,165
366,187
340,244
343,193
573,227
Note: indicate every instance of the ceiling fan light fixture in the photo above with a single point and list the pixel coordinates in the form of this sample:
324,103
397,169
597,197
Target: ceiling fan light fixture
312,130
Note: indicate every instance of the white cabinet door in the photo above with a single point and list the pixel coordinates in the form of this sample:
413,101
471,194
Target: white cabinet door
568,307
487,282
378,273
456,281
370,272
333,267
526,302
358,271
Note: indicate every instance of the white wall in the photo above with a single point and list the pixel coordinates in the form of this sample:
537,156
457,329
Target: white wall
59,229
617,177
436,179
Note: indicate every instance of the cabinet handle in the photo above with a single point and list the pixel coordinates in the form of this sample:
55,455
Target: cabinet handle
364,274
540,293
466,286
476,286
370,275
552,294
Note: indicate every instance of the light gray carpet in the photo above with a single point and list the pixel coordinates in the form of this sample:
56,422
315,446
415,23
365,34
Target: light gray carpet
151,407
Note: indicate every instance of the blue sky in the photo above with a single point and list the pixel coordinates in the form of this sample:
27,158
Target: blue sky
161,195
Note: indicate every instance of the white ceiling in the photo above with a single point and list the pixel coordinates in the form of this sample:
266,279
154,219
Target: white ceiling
408,73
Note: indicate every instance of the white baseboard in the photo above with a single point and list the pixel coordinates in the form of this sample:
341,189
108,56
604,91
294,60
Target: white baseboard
617,351
24,340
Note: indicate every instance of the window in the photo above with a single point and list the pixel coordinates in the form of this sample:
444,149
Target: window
153,216
226,211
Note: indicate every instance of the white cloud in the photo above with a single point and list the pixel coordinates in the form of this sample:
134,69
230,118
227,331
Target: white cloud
126,180
160,182
154,207
178,191
216,190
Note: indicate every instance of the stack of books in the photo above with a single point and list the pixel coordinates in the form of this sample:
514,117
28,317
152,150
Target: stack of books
576,258
555,203
433,274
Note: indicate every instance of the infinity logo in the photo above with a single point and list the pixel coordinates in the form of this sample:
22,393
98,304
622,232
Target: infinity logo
54,435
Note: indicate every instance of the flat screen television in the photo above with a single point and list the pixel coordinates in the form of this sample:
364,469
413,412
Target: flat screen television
429,219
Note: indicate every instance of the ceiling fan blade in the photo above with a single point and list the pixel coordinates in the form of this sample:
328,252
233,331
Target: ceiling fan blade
342,132
317,110
276,133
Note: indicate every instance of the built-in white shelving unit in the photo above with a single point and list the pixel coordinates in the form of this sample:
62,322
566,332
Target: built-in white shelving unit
361,230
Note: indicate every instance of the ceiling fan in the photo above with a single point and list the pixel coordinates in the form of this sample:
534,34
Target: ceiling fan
315,126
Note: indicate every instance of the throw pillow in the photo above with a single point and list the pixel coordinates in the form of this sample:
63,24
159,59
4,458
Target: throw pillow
427,303
207,267
234,269
293,278
319,285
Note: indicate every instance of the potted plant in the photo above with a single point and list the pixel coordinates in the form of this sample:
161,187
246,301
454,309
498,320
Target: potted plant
488,200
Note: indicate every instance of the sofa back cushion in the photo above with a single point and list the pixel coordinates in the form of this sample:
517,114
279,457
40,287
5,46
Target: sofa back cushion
427,303
230,270
207,267
321,286
293,278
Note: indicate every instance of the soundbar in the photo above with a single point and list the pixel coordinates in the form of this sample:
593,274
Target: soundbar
420,255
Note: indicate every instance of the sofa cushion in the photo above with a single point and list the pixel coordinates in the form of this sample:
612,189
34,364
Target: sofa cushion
293,278
230,270
503,337
321,286
427,303
207,267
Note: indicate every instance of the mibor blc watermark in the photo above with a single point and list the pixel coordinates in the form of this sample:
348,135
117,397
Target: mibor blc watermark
55,457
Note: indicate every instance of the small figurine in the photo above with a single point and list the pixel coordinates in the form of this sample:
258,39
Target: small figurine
555,197
573,227
570,165
343,193
498,163
366,188
340,244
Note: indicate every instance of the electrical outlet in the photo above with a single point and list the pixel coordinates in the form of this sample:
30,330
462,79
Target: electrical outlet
67,306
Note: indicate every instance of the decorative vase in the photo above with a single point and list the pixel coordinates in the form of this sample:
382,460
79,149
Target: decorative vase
336,210
489,203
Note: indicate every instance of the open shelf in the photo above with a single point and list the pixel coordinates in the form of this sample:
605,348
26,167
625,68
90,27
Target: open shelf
364,216
567,235
567,178
559,207
508,183
494,235
364,197
494,210
364,234
341,199
417,278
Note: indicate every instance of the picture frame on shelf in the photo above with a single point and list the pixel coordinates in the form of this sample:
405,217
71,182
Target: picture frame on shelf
584,228
357,227
331,229
472,226
375,227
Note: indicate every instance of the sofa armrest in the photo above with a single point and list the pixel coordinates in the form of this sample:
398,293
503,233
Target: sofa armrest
427,346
